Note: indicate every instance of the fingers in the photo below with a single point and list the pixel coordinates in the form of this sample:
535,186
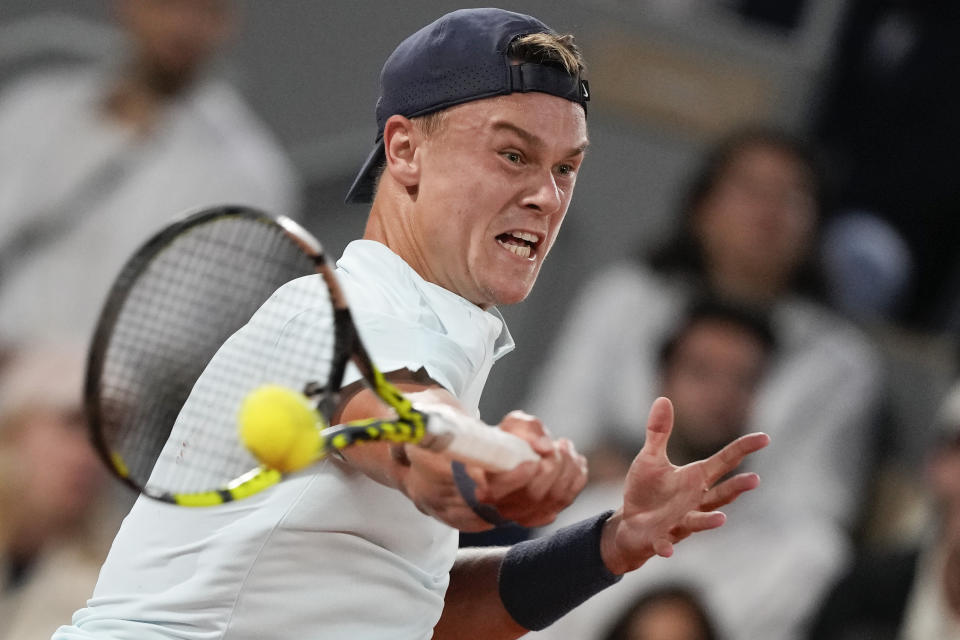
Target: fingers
692,522
729,458
664,504
578,473
531,494
729,490
663,547
659,426
559,473
703,520
435,491
557,479
530,428
556,488
497,485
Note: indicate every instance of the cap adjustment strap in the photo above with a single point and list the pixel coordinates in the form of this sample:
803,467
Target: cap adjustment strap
556,81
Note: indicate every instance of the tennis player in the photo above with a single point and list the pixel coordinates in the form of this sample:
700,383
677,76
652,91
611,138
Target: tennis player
481,135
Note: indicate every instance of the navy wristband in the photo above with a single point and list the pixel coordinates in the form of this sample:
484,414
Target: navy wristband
541,580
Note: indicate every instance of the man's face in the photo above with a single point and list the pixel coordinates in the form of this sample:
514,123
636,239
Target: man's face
760,216
711,379
55,441
174,38
943,476
496,180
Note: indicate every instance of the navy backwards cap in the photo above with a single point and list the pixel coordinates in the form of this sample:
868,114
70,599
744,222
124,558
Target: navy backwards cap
459,58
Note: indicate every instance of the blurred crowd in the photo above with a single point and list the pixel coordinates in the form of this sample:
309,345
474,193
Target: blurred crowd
811,290
93,159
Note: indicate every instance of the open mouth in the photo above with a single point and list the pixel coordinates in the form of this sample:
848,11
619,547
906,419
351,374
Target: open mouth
520,243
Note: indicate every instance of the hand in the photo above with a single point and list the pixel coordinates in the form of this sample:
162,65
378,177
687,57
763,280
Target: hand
531,494
427,479
663,503
533,499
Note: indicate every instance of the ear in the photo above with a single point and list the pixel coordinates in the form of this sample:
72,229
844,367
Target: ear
401,141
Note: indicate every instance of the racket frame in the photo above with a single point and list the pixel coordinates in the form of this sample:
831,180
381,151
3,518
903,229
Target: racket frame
436,429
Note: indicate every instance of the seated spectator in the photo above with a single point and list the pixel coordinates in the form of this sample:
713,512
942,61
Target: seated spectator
764,572
748,227
909,593
94,160
54,530
666,613
748,224
710,367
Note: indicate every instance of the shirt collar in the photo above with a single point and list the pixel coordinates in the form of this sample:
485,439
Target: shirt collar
360,253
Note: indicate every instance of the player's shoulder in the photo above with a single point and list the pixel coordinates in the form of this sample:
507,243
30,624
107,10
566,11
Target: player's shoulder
375,279
387,296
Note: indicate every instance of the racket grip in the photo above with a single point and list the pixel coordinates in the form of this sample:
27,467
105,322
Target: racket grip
470,440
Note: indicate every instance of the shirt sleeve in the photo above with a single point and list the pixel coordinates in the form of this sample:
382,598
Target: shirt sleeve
397,343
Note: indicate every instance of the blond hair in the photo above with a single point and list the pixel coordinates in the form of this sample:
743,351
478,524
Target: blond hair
548,49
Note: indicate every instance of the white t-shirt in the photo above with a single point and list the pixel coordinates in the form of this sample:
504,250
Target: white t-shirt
328,554
106,189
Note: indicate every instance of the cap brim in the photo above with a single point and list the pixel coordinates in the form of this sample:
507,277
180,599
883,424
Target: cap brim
365,184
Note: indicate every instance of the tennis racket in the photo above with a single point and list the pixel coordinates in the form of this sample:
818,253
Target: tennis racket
209,310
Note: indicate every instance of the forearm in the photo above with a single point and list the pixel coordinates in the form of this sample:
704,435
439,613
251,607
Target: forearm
473,608
424,477
375,460
383,461
504,593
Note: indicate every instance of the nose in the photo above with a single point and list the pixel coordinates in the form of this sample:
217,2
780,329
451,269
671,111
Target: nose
545,195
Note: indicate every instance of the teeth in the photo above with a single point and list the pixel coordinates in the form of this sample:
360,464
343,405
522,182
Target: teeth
521,243
523,235
521,250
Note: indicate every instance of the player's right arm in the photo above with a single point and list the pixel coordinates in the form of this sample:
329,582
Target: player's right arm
531,495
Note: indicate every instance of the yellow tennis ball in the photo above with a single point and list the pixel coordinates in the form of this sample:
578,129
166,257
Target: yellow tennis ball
279,427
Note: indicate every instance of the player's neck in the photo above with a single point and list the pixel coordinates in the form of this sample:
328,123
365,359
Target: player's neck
388,224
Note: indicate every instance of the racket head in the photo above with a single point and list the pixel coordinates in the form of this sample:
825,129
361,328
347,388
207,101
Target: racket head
184,293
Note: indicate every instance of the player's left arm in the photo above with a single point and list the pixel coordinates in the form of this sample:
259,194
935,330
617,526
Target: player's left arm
472,605
502,594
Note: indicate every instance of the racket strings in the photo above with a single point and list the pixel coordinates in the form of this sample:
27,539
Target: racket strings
187,300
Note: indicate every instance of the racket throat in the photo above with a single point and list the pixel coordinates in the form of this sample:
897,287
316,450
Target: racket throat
326,401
